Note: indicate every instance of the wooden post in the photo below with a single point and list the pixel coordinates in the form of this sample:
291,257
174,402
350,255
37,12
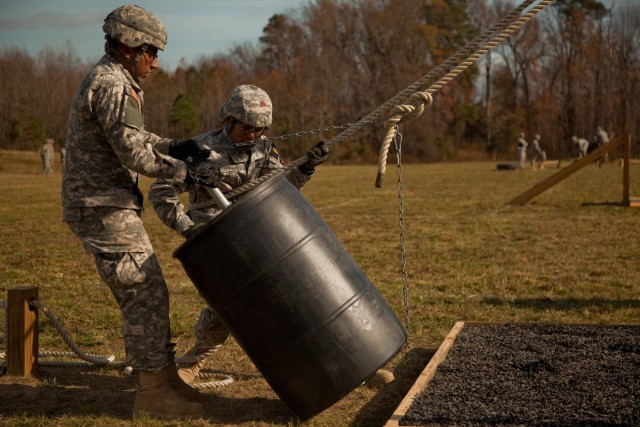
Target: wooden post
22,339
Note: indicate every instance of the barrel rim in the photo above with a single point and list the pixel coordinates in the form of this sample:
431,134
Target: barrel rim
243,200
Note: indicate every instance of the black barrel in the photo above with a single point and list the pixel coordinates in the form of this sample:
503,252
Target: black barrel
292,297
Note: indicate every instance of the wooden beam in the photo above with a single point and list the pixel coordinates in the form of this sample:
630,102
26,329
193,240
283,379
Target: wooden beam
569,170
426,376
22,339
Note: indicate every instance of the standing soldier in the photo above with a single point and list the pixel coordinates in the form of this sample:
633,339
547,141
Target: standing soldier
536,151
521,148
601,138
107,147
63,152
46,154
579,147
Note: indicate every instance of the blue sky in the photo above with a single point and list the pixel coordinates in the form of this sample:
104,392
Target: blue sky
194,27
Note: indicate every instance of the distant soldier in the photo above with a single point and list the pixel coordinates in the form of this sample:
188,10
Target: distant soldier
601,136
46,154
521,148
536,151
599,139
579,147
63,152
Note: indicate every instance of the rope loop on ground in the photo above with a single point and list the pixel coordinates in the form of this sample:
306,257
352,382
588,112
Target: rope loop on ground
95,359
222,380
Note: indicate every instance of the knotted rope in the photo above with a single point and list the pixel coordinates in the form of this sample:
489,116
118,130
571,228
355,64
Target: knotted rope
445,72
399,114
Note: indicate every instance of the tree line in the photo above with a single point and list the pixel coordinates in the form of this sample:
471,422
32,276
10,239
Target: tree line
572,68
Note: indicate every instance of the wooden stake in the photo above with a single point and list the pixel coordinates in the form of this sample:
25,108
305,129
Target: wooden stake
22,339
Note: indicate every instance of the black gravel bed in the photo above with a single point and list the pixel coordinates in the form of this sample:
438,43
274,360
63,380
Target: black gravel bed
535,375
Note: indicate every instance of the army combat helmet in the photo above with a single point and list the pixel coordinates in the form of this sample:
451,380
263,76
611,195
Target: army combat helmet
248,104
134,26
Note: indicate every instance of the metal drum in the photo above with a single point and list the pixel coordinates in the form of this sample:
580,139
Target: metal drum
292,297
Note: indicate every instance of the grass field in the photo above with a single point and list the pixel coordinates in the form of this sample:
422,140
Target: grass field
571,255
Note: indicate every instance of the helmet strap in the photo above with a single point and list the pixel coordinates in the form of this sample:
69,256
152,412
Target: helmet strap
133,62
229,122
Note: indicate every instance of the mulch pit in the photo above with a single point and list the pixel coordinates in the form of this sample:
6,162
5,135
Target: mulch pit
528,375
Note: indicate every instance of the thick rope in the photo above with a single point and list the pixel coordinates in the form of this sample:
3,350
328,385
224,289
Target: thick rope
94,359
452,67
417,101
91,358
193,356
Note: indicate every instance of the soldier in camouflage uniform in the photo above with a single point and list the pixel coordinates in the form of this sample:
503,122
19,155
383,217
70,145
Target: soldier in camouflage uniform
246,114
521,148
107,147
600,138
537,151
47,154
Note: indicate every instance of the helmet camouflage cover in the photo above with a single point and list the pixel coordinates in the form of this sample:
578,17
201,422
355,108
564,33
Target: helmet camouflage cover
134,26
248,104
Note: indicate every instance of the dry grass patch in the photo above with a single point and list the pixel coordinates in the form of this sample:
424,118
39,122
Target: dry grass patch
569,256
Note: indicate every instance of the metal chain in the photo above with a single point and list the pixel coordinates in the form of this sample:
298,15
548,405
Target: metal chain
397,140
306,133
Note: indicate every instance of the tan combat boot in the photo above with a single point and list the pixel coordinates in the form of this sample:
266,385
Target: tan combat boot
189,371
155,399
380,378
178,382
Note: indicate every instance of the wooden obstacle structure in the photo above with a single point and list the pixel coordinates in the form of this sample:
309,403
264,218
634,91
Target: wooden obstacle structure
623,141
22,334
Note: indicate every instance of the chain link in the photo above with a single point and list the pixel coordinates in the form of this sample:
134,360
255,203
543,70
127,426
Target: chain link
397,140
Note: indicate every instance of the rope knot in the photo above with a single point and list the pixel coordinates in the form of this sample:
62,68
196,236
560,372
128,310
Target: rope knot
413,109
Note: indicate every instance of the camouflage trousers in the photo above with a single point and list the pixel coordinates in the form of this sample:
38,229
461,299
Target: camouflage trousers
210,332
126,262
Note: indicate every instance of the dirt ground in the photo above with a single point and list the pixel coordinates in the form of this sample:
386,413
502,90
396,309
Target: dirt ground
56,392
535,375
103,396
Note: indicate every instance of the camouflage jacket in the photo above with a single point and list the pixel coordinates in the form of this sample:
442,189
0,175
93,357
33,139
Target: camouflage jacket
236,166
47,152
107,145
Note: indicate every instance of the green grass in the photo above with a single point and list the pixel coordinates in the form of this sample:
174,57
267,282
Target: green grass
571,255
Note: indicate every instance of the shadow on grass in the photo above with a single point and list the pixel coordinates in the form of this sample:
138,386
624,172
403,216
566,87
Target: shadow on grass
566,304
620,204
380,408
79,392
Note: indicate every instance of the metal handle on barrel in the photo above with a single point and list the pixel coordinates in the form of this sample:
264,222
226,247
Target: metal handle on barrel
219,198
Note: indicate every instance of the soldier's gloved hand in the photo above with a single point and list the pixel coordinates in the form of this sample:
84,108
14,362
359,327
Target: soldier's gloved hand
317,155
202,172
181,150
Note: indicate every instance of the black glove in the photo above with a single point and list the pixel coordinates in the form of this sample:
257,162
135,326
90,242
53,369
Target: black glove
317,155
188,148
202,172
